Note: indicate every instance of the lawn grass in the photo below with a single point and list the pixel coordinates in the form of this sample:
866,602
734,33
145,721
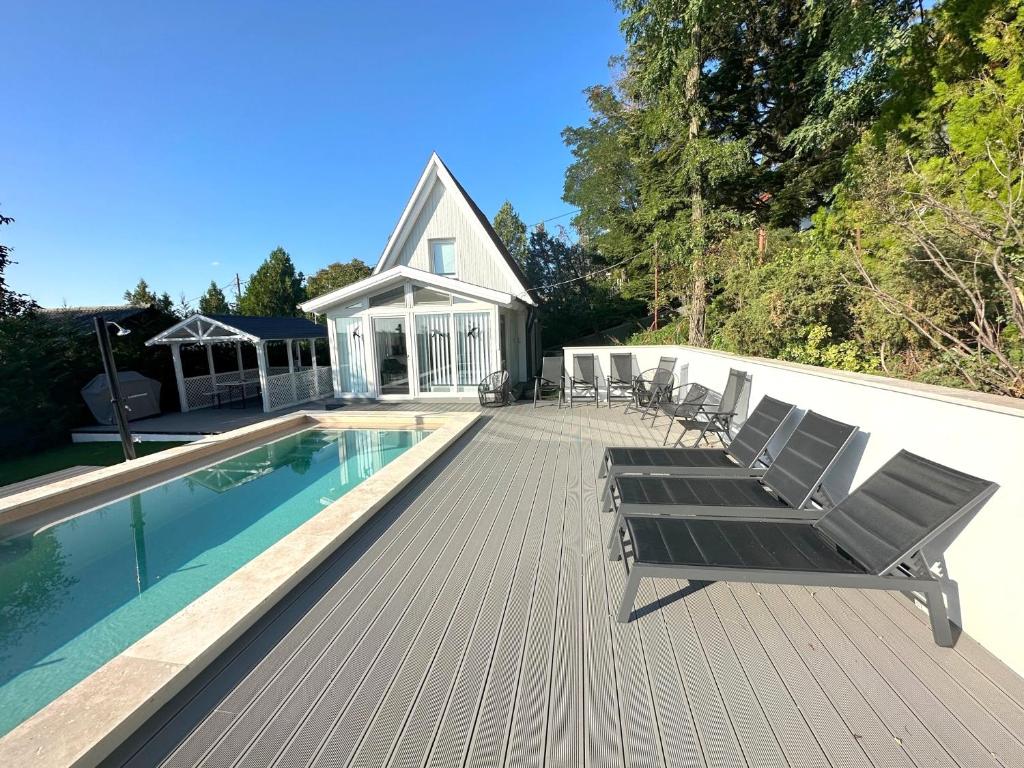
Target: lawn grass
70,455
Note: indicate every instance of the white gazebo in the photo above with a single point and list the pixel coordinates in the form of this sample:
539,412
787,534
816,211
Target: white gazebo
278,386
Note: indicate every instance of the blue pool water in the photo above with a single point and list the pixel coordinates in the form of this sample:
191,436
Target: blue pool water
76,594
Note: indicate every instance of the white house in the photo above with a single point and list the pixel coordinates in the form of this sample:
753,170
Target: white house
446,304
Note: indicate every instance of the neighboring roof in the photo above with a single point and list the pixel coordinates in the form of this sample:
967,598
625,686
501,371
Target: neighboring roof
82,316
436,166
399,274
211,329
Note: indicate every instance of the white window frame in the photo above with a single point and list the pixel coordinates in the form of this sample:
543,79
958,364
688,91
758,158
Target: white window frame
435,241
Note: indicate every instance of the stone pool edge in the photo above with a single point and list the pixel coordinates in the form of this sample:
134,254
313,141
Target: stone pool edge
85,724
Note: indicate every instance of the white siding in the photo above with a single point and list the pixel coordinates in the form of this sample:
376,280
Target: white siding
444,216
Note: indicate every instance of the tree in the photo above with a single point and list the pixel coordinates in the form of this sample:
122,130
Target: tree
11,303
335,276
213,302
512,231
275,289
142,296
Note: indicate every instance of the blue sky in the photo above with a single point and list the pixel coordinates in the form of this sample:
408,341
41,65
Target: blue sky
181,142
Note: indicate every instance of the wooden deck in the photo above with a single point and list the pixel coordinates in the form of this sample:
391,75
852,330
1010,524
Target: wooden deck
471,623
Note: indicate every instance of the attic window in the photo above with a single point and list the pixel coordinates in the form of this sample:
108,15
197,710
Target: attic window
442,257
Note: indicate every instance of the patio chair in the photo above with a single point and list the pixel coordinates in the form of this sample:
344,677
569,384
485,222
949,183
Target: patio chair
550,380
783,492
741,458
583,381
709,420
620,378
688,407
653,386
884,535
495,389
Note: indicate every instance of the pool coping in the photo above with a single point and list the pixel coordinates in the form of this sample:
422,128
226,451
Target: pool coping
101,711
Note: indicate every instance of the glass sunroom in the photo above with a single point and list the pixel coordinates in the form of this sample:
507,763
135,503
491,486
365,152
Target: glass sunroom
407,334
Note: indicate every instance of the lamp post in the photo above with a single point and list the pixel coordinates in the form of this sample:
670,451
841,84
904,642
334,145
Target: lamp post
116,402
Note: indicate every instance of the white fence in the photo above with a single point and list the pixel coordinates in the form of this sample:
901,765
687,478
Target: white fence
284,388
976,433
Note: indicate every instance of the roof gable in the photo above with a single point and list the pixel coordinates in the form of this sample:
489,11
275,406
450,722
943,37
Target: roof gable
424,202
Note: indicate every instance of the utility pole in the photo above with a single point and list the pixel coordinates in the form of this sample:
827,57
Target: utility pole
116,401
238,289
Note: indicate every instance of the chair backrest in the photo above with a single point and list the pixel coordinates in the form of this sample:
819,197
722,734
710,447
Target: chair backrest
900,508
494,381
663,379
583,367
667,364
551,369
806,457
622,367
735,386
694,398
758,430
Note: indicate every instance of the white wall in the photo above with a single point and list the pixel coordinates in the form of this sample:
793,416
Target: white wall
444,216
979,434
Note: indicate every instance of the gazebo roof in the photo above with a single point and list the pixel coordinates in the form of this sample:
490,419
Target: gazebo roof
213,329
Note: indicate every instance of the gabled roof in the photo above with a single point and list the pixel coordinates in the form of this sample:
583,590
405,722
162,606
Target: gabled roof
436,168
211,329
401,273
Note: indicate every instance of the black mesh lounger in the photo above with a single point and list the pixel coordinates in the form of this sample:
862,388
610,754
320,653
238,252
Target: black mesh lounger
741,458
783,492
884,535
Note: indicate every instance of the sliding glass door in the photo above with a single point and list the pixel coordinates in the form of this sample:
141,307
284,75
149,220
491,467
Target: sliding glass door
351,356
392,355
473,342
434,352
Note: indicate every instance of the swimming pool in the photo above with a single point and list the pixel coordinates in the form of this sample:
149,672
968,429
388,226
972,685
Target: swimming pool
76,593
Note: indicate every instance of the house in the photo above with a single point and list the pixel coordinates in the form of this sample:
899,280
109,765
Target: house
446,304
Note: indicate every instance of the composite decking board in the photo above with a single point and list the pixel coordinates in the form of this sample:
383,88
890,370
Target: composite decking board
488,744
793,703
991,697
679,742
985,726
784,630
323,660
697,673
526,734
602,735
396,682
903,723
933,713
412,705
450,738
388,634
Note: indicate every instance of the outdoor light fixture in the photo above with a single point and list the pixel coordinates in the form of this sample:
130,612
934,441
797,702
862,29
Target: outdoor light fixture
113,384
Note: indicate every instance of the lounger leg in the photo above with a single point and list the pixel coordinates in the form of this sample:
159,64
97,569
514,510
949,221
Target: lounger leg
615,540
936,605
629,596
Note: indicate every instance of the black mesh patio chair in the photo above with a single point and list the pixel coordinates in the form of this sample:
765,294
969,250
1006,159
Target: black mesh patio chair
620,378
582,384
495,389
786,491
745,456
885,535
550,381
688,407
649,386
710,420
